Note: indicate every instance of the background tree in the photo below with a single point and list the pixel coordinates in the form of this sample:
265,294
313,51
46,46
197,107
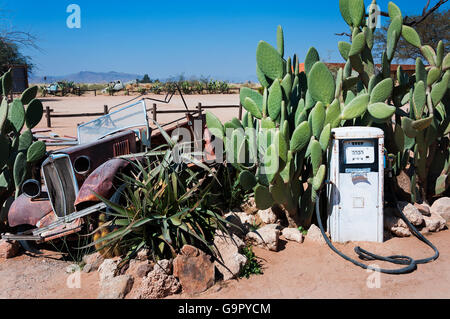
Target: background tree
431,30
146,79
11,43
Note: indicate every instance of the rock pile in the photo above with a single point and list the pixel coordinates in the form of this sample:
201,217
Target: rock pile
423,217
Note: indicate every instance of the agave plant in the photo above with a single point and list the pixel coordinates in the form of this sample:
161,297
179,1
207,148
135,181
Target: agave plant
162,206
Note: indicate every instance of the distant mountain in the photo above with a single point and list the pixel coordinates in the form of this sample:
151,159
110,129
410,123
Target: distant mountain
87,77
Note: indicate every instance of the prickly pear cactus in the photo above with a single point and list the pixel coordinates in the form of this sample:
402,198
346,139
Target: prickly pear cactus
279,148
18,150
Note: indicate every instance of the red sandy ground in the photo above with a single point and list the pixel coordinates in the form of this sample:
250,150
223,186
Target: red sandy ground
297,271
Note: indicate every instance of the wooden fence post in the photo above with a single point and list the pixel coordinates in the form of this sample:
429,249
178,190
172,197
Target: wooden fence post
240,112
199,107
105,109
154,112
49,121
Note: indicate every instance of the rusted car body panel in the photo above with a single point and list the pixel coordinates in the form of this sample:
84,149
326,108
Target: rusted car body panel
101,181
25,211
122,143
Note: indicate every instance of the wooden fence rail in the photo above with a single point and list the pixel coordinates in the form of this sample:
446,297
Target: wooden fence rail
154,110
49,115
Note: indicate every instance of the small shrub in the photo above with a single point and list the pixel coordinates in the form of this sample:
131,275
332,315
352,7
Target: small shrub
253,266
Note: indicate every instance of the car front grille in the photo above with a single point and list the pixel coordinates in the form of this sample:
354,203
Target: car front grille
61,183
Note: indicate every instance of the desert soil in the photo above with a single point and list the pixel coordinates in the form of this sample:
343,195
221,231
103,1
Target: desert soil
94,104
306,270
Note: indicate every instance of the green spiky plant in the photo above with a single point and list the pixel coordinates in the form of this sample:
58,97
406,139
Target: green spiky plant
18,150
293,118
165,205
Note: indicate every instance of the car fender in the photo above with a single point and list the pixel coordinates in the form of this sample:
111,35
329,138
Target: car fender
100,181
27,211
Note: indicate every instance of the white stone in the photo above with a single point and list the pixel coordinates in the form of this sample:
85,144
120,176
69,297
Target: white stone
315,235
246,218
267,216
435,222
107,270
163,266
395,225
412,213
442,208
92,261
142,254
116,288
293,234
266,237
229,248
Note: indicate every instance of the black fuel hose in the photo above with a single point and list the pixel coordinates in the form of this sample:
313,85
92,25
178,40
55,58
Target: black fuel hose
411,264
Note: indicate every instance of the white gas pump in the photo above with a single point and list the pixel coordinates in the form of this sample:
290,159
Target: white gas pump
355,191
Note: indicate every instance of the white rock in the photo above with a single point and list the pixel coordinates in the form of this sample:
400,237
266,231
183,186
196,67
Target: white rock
266,237
163,266
401,231
423,208
442,208
107,270
116,288
246,218
142,254
229,254
267,216
412,213
435,222
396,225
315,235
92,261
293,234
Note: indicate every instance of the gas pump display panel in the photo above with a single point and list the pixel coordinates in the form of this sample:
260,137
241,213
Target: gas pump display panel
358,155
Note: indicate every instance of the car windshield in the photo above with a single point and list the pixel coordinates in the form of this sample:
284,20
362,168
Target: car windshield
134,115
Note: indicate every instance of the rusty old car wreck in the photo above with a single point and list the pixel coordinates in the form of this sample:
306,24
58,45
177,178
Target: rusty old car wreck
71,178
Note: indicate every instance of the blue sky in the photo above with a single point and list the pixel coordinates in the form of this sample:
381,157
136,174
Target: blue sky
167,38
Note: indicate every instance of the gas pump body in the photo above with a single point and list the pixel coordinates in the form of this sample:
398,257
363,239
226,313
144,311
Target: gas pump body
355,191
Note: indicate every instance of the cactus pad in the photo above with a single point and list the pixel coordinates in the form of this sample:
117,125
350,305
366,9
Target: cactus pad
36,151
321,83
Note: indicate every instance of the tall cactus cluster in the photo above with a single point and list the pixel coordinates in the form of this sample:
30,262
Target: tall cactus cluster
18,150
417,139
279,148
